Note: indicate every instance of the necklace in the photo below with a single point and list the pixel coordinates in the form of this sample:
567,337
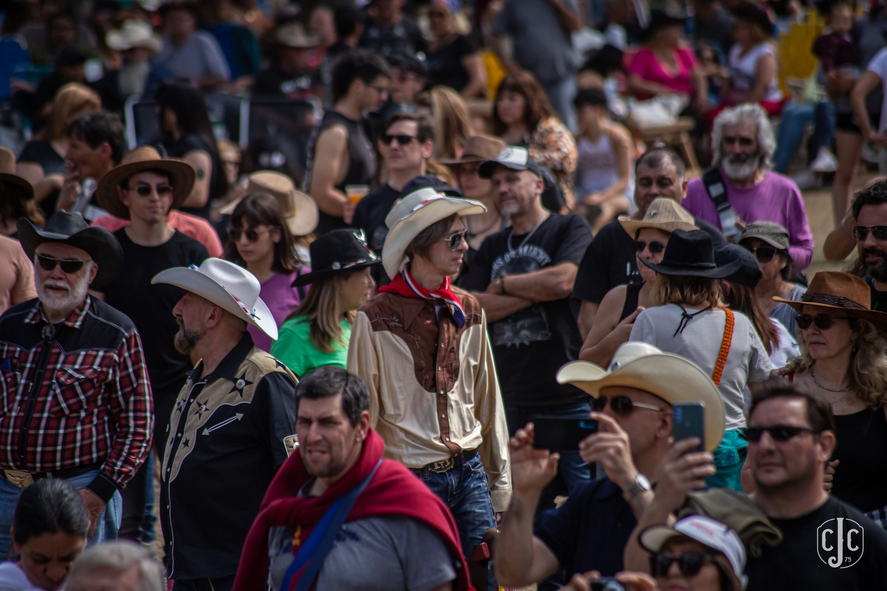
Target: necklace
472,233
511,249
821,387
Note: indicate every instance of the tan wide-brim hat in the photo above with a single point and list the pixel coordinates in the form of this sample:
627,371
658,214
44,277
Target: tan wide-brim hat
478,148
415,212
663,214
144,158
7,176
839,291
645,367
294,35
299,210
133,33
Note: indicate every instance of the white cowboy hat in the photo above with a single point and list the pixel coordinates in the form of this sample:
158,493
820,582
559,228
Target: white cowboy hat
299,210
133,33
226,285
644,367
414,213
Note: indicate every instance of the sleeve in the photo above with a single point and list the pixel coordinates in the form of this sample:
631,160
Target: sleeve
759,360
288,349
643,330
478,276
363,361
215,60
412,538
700,205
489,410
274,411
24,288
463,46
558,528
637,65
592,280
578,237
801,247
877,64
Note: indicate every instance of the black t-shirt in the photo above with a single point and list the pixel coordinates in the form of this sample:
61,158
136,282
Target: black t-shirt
834,532
404,37
879,298
445,64
531,345
191,143
274,82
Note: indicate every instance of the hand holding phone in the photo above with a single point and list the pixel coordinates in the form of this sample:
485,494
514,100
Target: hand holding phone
688,420
562,434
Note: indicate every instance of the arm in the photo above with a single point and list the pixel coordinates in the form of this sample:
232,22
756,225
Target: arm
866,84
587,314
24,288
605,337
544,285
496,307
328,166
637,85
840,242
568,17
477,76
801,246
765,71
700,87
364,362
275,400
620,140
203,169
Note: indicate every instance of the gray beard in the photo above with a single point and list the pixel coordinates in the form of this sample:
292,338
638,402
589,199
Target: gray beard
740,170
133,78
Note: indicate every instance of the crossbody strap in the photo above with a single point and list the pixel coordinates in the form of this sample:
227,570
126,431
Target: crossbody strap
725,347
714,186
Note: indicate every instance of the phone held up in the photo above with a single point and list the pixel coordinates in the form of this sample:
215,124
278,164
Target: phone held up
688,420
561,433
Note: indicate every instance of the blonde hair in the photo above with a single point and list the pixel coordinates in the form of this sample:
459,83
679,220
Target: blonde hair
452,122
686,290
320,306
70,98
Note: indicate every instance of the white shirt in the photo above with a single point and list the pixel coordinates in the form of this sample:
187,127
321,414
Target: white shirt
744,67
878,65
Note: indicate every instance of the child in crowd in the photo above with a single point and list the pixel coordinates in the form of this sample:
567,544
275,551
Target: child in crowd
835,49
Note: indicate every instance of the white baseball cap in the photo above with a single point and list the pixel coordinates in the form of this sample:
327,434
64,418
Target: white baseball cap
704,530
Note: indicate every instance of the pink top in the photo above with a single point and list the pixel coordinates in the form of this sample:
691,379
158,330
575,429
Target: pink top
644,65
281,298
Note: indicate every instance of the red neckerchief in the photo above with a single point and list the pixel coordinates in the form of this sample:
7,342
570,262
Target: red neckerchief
405,285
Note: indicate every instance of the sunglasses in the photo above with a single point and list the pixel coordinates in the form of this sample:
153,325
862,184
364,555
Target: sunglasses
401,139
777,432
655,247
68,265
861,232
146,190
455,240
689,563
252,235
621,405
764,254
822,321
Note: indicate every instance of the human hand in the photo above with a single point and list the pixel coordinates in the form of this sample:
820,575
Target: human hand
70,188
531,469
828,475
610,447
348,212
94,507
632,581
680,472
623,329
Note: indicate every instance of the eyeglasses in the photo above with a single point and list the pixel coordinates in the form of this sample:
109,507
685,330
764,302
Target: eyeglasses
466,169
401,139
655,247
689,563
764,254
822,321
455,241
380,89
779,433
145,190
68,265
621,405
252,235
861,232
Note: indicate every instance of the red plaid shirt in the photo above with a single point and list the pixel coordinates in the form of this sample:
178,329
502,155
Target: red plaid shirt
74,393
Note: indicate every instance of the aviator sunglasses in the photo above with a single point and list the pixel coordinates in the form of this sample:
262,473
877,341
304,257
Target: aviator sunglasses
777,432
68,265
655,247
689,563
621,405
455,240
252,235
822,321
861,232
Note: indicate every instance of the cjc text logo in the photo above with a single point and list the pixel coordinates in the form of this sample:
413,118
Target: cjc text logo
840,542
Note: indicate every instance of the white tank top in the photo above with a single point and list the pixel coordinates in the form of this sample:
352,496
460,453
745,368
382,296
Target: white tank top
597,166
742,70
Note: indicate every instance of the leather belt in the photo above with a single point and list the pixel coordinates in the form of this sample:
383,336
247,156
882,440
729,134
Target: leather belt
23,479
457,461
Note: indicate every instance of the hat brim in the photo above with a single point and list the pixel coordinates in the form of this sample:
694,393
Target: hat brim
686,383
653,538
181,178
452,161
706,272
485,170
771,241
879,319
309,278
207,288
405,230
118,42
632,227
27,190
302,223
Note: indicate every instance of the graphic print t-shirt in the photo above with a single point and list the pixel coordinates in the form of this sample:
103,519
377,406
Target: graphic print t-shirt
530,345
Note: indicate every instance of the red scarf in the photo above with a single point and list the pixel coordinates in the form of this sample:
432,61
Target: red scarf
405,285
394,490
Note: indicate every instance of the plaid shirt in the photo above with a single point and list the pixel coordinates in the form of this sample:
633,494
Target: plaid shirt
74,393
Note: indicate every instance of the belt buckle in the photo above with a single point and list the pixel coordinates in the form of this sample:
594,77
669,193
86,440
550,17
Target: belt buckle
18,478
442,466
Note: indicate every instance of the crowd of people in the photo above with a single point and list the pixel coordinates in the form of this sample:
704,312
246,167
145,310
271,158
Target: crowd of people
446,323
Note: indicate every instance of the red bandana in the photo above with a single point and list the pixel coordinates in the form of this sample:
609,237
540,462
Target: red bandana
405,285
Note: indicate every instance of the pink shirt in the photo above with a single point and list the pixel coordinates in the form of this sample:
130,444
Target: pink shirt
189,225
644,65
281,298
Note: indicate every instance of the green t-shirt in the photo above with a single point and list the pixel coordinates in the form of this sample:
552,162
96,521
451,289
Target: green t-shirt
294,349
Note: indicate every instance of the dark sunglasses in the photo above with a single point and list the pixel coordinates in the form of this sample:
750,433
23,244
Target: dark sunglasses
655,247
68,265
455,240
689,563
621,405
764,254
822,321
861,232
777,432
252,235
145,190
401,139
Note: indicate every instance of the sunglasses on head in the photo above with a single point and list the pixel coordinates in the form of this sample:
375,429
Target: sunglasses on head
455,240
777,432
822,321
689,563
252,235
764,254
145,190
861,232
621,405
401,139
655,247
68,265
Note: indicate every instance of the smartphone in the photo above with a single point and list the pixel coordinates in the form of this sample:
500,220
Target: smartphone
688,420
606,584
561,433
291,444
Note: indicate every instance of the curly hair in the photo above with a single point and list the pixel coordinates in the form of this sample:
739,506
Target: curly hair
754,113
874,195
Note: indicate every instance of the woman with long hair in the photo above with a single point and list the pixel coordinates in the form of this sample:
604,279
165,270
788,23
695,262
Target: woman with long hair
318,331
452,122
522,116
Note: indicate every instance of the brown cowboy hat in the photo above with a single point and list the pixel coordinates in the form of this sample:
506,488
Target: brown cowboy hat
24,190
299,210
478,148
840,291
181,179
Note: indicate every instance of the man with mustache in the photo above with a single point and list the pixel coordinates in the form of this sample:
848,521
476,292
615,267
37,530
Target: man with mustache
743,144
870,211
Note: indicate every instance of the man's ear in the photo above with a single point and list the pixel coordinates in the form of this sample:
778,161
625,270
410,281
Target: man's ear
363,424
106,150
214,317
122,195
827,441
93,271
683,189
664,430
427,149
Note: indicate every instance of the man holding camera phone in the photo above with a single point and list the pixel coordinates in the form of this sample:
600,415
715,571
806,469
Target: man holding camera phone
633,403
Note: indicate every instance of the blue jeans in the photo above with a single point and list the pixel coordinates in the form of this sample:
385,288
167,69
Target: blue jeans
795,119
561,94
106,527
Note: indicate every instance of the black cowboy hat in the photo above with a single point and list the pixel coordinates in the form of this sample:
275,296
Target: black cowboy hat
690,254
339,251
72,229
749,272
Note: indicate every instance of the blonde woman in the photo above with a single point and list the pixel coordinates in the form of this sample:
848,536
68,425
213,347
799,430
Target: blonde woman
318,331
452,122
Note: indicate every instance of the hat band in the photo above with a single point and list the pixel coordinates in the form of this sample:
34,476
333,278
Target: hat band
831,300
337,266
681,264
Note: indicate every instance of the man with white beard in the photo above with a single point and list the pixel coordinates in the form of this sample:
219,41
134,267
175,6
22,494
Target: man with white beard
74,392
740,188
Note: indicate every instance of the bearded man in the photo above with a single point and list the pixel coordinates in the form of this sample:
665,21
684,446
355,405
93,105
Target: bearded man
870,211
741,188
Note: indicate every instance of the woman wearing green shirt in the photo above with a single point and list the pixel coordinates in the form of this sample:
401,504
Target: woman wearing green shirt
317,332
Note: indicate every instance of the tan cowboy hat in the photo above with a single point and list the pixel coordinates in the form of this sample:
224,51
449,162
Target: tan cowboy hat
226,285
7,176
414,213
133,33
181,179
478,148
840,291
644,367
299,210
294,35
663,214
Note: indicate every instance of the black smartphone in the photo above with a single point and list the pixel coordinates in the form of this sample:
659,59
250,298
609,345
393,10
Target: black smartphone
688,420
561,433
606,584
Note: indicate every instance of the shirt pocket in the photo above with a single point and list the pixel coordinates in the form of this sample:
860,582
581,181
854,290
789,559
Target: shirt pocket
10,388
77,389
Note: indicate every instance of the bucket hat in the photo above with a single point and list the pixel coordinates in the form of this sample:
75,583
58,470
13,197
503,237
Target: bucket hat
336,252
299,210
690,254
840,291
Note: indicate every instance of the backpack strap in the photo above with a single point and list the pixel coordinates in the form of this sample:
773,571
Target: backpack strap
717,192
725,347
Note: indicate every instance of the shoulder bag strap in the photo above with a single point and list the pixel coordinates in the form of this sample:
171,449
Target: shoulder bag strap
714,186
725,347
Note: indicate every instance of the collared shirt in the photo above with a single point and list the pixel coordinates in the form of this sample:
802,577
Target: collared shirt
74,393
224,446
433,387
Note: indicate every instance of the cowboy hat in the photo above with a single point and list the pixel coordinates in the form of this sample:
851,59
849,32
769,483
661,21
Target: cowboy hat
72,229
644,367
478,148
229,286
338,251
414,213
690,254
133,33
144,158
294,35
663,214
299,210
7,176
840,291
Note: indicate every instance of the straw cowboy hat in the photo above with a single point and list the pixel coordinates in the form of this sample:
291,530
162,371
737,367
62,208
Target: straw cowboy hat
663,214
690,254
229,286
839,291
22,188
478,148
644,367
414,213
299,210
144,158
294,35
336,252
133,33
